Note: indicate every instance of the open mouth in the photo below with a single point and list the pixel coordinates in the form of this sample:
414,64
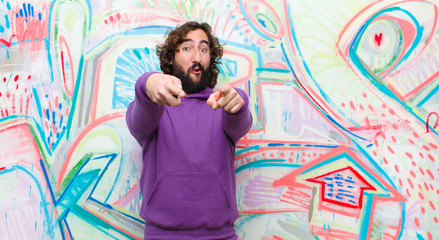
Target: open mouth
196,68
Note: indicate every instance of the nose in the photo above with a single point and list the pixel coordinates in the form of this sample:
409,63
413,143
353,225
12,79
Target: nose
196,57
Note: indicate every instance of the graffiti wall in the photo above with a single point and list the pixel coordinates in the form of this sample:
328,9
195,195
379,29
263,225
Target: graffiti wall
344,97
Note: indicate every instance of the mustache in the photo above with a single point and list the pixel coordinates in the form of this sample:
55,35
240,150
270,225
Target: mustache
196,65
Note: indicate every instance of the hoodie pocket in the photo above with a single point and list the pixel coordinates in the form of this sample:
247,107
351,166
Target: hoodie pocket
188,200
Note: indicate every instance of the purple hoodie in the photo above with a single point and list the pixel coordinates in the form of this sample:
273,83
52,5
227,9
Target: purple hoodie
188,179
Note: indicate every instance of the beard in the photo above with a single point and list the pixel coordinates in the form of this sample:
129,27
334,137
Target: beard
188,84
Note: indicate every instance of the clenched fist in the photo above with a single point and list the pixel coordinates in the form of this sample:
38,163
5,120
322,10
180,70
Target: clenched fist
164,89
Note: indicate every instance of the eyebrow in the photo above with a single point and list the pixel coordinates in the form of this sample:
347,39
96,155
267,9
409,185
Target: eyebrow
191,40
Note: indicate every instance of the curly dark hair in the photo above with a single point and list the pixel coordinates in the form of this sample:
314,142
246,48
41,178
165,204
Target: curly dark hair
166,51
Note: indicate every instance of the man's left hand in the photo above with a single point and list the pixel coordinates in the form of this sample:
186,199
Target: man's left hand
226,98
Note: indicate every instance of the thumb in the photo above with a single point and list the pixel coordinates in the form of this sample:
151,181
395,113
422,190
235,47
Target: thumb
177,83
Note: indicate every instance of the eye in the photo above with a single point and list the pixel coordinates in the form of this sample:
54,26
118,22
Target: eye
390,47
204,50
186,49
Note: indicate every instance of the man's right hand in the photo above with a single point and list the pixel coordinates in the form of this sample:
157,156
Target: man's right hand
164,89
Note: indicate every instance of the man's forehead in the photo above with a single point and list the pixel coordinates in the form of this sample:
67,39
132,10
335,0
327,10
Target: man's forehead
197,32
193,41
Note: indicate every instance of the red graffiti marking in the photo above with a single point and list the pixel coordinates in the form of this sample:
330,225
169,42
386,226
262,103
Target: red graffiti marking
15,97
66,60
411,183
378,39
432,205
427,125
416,220
1,168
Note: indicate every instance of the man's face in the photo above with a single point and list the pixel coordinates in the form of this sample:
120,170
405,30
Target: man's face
191,61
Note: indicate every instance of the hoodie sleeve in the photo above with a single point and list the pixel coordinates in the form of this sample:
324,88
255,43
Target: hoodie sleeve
143,115
238,124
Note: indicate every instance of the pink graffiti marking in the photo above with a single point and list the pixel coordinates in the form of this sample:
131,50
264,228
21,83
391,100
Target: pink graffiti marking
25,28
427,124
68,85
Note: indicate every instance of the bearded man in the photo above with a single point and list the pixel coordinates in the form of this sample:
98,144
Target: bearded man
188,133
